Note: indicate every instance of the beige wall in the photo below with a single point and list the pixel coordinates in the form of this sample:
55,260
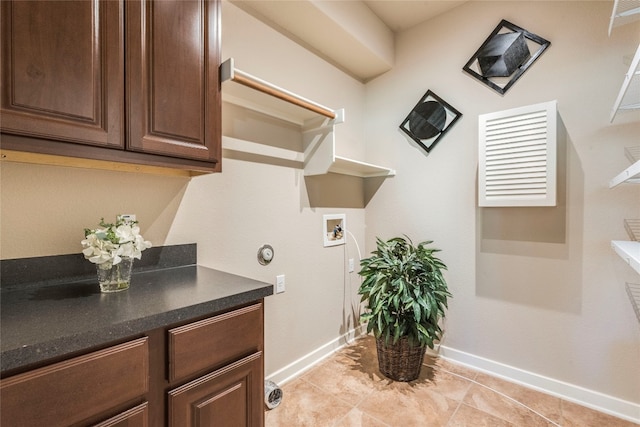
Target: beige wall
255,202
535,289
555,308
45,209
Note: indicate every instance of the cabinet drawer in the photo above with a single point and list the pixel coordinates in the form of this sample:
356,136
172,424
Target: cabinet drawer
215,341
71,391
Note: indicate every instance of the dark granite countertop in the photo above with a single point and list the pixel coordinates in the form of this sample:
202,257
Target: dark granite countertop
38,323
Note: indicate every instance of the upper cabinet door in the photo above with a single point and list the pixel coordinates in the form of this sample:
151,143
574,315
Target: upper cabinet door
173,97
62,72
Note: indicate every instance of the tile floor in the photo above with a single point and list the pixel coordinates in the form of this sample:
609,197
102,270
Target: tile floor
347,390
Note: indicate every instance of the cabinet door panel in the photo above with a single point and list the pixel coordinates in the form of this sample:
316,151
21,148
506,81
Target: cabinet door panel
228,397
74,390
172,74
62,70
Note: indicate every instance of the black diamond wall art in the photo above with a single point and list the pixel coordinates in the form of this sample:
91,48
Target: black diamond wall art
429,120
505,55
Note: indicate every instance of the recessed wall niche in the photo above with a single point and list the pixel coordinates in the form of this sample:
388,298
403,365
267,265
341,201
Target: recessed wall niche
334,229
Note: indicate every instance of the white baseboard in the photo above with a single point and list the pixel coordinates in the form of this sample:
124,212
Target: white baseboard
592,399
309,360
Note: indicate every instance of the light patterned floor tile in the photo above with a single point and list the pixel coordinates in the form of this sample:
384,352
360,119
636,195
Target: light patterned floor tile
345,378
467,416
305,405
357,418
574,415
544,404
403,407
493,403
348,390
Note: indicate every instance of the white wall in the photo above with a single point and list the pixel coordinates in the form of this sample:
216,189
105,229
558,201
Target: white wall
539,294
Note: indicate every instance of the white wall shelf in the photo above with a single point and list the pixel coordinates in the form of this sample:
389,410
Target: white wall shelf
629,252
624,12
317,122
629,95
629,175
632,173
347,166
259,95
633,290
320,157
632,226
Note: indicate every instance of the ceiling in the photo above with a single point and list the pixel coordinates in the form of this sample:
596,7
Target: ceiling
357,36
400,15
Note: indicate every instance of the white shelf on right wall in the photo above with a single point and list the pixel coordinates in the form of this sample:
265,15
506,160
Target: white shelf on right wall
629,251
624,12
633,290
628,98
629,175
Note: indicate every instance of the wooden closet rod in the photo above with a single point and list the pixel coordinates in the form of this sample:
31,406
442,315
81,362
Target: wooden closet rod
260,85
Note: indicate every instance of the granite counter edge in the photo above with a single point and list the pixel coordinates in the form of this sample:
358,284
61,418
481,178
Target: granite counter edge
20,358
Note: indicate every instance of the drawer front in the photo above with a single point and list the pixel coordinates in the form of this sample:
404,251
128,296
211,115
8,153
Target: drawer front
71,391
215,341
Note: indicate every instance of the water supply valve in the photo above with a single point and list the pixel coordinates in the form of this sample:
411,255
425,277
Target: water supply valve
265,254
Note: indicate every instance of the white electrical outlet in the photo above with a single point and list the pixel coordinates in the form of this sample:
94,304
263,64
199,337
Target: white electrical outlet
351,265
280,284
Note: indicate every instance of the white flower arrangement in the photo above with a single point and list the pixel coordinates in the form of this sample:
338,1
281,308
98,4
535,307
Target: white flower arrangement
111,242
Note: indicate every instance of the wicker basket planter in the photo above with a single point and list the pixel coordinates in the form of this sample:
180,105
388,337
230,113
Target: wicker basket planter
406,296
399,361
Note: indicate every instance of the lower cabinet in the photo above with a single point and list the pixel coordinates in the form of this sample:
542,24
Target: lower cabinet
204,373
224,354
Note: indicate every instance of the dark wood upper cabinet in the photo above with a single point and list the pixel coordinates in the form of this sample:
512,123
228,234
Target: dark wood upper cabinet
172,77
63,71
125,81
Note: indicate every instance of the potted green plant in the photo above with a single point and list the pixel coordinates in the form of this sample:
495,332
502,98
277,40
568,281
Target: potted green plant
406,297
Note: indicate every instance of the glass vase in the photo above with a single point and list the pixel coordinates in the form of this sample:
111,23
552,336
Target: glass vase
115,278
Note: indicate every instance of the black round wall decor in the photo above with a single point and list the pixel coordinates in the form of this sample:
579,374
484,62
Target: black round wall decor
429,120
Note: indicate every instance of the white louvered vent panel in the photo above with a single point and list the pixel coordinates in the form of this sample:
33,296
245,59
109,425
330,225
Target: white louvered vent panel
517,157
